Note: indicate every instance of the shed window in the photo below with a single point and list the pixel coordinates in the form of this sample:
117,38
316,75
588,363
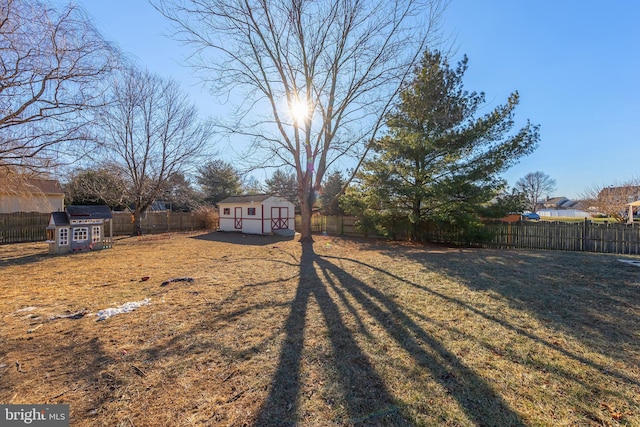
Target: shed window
63,236
95,234
80,234
251,211
227,211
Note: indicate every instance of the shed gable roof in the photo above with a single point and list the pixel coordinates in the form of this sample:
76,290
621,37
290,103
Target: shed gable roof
255,198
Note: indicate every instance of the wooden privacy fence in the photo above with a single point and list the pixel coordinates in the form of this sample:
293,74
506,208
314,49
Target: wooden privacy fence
23,227
584,236
31,226
157,222
336,225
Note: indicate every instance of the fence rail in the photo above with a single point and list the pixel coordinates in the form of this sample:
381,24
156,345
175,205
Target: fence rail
584,236
31,226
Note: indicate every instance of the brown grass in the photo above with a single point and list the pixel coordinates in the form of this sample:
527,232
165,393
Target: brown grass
349,332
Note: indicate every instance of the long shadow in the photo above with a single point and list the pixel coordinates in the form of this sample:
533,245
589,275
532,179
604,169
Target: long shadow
361,385
480,403
501,322
593,298
73,364
242,239
7,260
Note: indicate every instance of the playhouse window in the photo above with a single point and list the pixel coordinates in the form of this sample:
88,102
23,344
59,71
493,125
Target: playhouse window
251,211
227,211
80,234
63,236
95,234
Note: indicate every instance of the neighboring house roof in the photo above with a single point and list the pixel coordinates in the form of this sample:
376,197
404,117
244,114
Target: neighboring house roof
556,201
158,207
47,186
630,191
255,198
560,203
33,186
89,212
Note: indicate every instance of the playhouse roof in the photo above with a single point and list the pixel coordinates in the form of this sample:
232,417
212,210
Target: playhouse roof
255,198
59,219
89,212
80,212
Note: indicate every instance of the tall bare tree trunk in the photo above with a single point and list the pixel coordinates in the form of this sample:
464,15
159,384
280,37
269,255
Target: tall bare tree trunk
137,223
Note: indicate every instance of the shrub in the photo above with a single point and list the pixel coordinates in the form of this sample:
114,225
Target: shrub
208,216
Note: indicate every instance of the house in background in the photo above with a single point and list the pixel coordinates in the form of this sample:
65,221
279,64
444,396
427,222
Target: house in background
257,214
32,195
620,195
79,228
561,207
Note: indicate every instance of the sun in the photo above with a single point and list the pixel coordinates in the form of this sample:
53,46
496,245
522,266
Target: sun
299,110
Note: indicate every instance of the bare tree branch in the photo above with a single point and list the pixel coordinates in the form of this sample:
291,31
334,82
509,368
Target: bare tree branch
611,200
52,66
152,131
346,59
534,186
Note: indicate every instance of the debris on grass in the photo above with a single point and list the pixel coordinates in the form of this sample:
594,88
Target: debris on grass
32,330
138,371
177,279
24,310
71,315
630,261
124,308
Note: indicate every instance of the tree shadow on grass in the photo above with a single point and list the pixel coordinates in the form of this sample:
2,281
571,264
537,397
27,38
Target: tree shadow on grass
366,398
74,363
242,238
7,260
590,297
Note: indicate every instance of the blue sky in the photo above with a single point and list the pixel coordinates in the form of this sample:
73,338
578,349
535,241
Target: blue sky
576,65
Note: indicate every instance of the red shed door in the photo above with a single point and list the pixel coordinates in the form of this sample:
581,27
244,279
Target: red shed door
279,218
237,218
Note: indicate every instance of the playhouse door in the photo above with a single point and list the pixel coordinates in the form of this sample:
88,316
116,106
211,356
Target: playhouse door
279,218
237,218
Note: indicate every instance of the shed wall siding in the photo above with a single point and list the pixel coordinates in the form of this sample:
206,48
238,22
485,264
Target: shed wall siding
260,223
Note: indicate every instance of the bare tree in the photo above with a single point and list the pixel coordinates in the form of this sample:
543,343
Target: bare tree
52,66
315,77
533,186
102,184
151,132
611,200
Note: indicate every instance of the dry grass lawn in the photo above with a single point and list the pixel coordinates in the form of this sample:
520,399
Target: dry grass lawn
349,332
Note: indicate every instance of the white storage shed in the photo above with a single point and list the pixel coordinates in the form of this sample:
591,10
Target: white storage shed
257,214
